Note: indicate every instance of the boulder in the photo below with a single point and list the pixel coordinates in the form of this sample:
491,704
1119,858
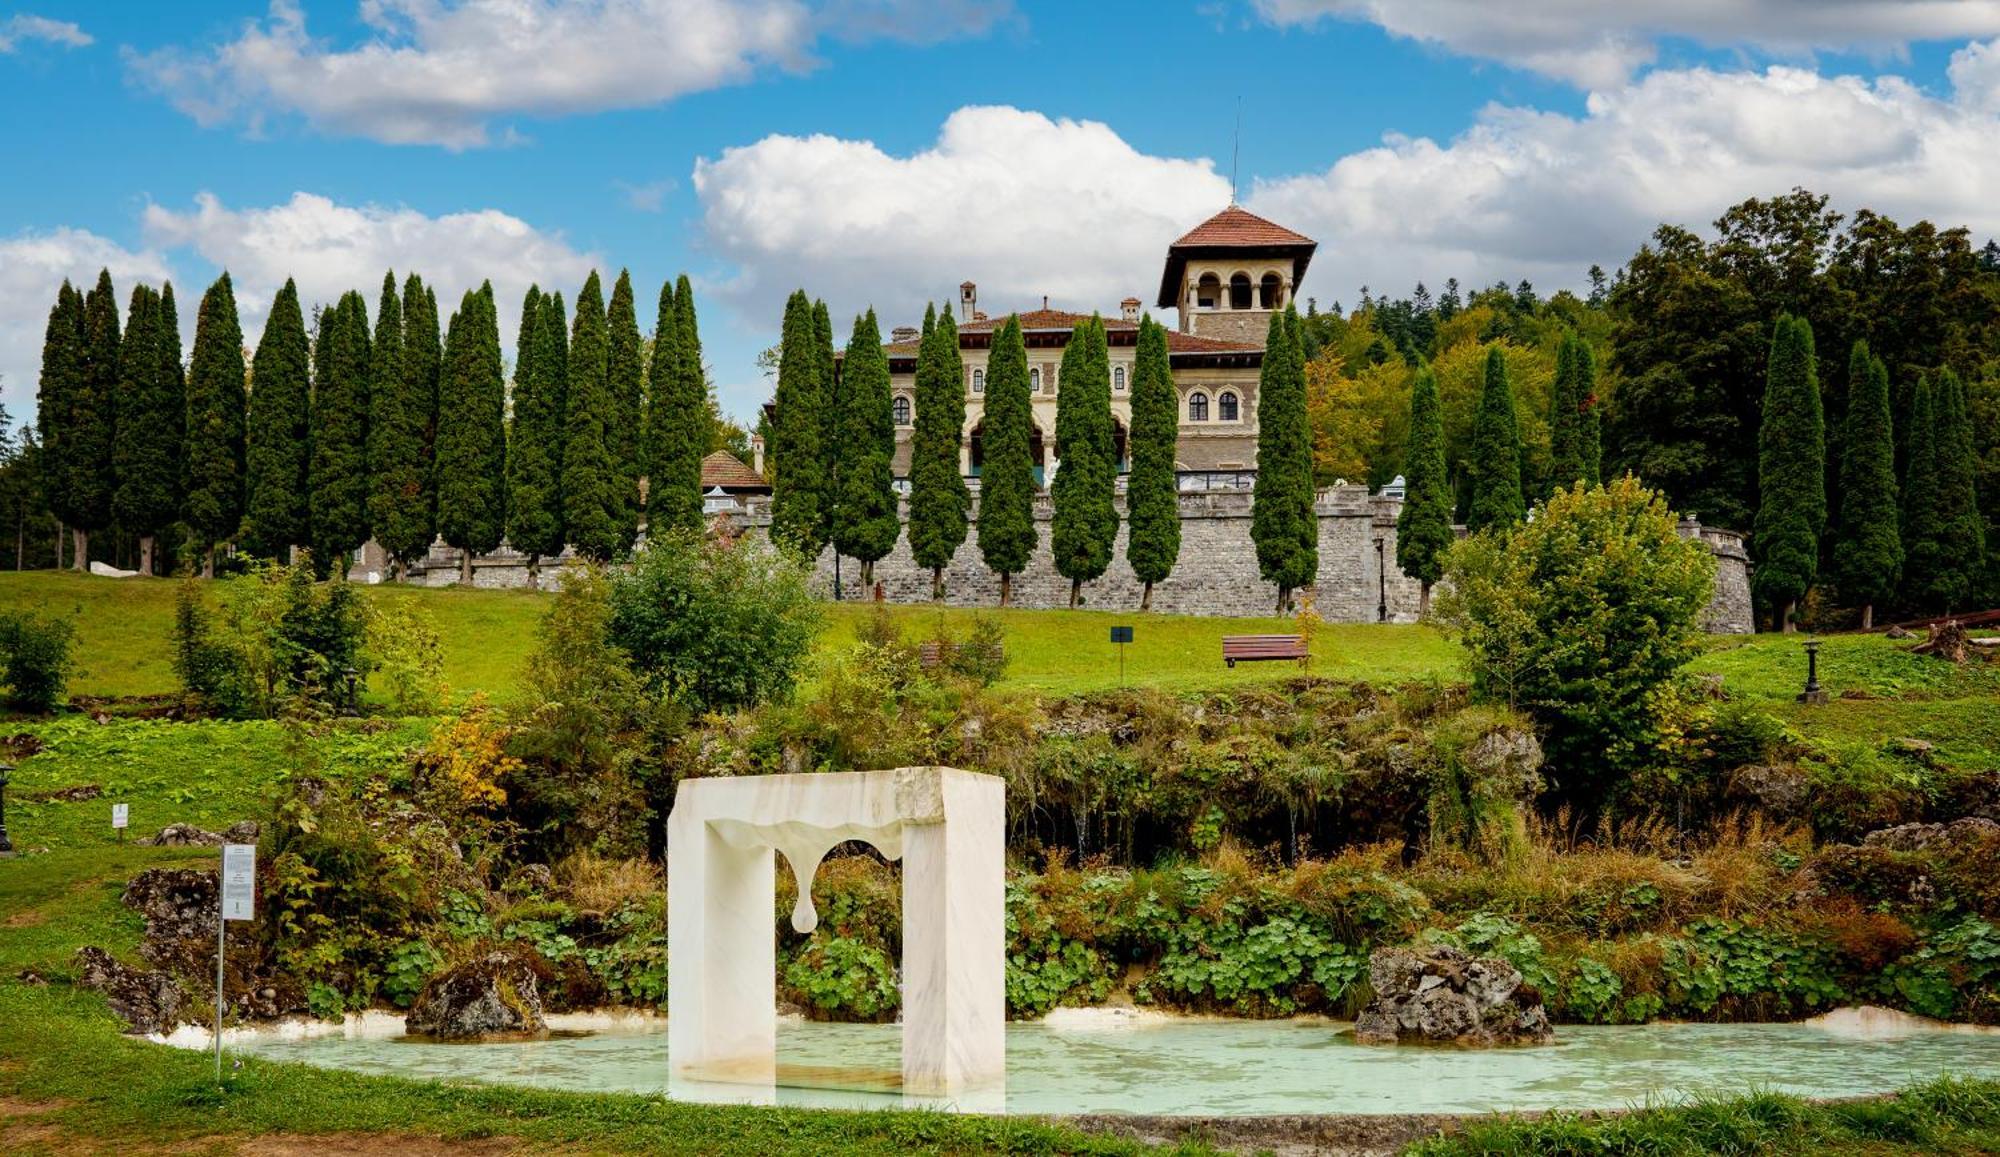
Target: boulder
1778,790
1444,995
496,995
148,1002
1917,837
182,836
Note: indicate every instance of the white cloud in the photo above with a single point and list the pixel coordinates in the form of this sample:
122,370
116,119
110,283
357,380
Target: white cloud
1020,203
330,248
645,196
1599,44
28,26
442,72
32,266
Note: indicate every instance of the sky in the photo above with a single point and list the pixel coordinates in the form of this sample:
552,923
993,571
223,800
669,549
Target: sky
879,152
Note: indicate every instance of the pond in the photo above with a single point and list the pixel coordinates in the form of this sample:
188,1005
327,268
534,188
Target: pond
1105,1063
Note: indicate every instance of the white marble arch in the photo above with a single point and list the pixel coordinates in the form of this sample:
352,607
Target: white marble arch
949,829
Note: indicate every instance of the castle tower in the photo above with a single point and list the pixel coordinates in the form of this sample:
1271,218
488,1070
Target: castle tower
1228,274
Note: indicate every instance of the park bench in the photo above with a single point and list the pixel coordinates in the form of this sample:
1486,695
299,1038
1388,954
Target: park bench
1260,648
940,652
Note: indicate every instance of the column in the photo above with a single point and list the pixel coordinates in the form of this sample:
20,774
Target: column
955,941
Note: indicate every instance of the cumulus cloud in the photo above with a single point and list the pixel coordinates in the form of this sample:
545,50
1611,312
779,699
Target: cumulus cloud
329,248
15,30
1022,203
32,265
444,71
1598,44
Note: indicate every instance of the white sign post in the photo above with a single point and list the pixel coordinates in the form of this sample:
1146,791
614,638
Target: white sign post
239,902
121,814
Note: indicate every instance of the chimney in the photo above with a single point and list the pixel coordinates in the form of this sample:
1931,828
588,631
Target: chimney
903,333
968,301
1045,303
1130,308
757,453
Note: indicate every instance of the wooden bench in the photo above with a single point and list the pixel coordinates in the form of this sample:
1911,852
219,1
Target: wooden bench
940,652
1261,648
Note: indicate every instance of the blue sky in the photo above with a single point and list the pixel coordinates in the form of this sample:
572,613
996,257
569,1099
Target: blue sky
880,151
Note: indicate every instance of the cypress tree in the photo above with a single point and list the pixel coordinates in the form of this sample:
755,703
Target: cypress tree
664,356
83,455
1962,530
1791,472
56,399
168,350
146,445
1496,452
277,503
867,525
939,499
795,465
1573,427
403,422
592,511
385,394
472,433
1085,527
831,465
1869,554
625,370
680,418
337,474
1423,527
1590,416
553,358
1007,472
1282,522
213,486
534,503
1152,493
1926,557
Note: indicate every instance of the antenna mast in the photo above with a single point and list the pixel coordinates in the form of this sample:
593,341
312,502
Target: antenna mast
1235,147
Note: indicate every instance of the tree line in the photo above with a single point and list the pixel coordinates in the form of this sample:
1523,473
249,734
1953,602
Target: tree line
335,430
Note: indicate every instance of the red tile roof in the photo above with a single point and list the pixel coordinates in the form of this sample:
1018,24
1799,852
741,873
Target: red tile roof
725,470
1238,227
1056,319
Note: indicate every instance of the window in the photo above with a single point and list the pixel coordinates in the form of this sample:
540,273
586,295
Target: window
1035,380
1208,292
1267,292
1197,407
979,381
1118,377
900,409
1225,406
1239,291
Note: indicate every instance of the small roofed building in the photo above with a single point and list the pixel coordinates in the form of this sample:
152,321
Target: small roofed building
726,483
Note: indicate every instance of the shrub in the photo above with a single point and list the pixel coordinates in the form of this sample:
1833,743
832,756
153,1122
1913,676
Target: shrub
838,976
1583,617
714,624
404,644
280,644
34,659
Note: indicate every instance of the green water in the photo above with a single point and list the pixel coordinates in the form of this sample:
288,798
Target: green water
1216,1067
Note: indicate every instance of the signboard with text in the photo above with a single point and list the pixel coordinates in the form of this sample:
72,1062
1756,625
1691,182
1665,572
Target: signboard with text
121,814
239,881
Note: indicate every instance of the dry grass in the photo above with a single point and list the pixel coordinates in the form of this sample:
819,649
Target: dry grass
602,884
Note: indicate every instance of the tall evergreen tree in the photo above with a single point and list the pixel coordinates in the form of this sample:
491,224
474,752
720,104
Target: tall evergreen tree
385,395
1573,427
1007,471
866,525
1423,528
277,511
83,457
831,458
1927,571
1869,555
1962,531
660,366
680,420
146,446
1085,527
1791,473
337,470
592,510
1589,416
472,432
534,497
1282,522
1152,492
795,464
939,499
174,374
62,387
402,426
1497,499
212,488
626,371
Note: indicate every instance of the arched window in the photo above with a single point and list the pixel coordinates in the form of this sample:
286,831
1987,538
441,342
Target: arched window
979,381
1117,377
900,410
1035,380
1208,292
1267,292
1225,406
1239,291
1197,407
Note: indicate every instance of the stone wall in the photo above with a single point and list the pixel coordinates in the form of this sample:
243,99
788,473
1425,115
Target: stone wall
1216,573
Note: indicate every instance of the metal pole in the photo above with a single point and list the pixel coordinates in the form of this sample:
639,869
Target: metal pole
1381,581
221,930
6,845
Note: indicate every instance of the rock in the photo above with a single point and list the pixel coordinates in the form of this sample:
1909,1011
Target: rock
106,570
1897,633
495,995
242,832
1917,837
1443,995
1506,762
78,794
1779,791
179,906
530,880
148,1002
182,836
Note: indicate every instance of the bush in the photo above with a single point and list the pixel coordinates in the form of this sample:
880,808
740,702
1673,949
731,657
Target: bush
403,642
34,659
714,625
1583,617
280,644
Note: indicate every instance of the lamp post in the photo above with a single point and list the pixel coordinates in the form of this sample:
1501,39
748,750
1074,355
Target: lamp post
1813,693
6,845
1381,579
